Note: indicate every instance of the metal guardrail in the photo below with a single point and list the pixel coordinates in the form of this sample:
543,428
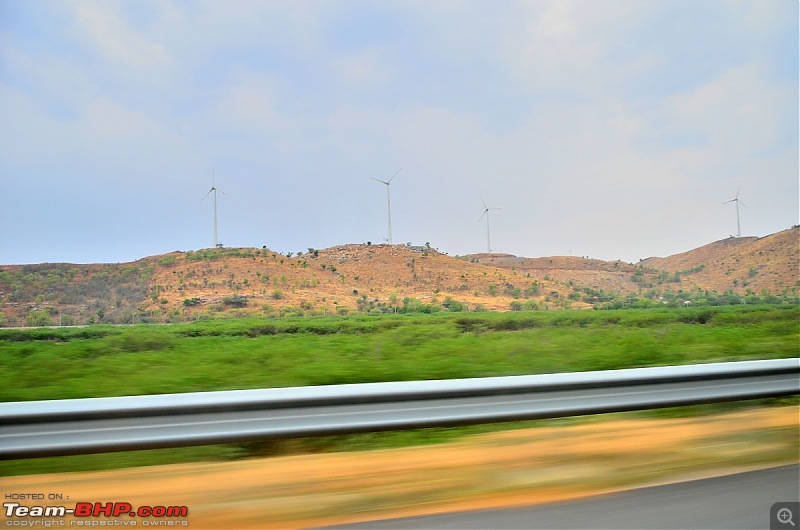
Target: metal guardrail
64,427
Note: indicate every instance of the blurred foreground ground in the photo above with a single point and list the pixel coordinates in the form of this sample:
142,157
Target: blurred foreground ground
500,469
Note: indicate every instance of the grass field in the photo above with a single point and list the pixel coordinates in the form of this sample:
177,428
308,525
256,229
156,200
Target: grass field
98,361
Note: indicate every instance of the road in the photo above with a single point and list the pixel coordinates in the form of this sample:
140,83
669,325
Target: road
733,501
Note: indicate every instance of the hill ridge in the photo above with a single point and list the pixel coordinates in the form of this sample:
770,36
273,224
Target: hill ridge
381,278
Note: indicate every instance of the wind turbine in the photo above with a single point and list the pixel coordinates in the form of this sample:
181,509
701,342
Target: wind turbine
388,200
486,213
214,190
737,201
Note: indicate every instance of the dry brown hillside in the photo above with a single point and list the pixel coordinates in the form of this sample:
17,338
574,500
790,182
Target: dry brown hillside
610,276
768,263
340,279
383,278
739,265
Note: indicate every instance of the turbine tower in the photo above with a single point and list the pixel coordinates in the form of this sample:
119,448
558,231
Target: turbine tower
486,213
214,190
388,200
737,201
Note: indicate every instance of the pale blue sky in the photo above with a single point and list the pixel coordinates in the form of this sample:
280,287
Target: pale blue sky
612,129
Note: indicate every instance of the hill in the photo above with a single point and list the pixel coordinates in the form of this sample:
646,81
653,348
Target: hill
611,276
748,263
744,265
347,279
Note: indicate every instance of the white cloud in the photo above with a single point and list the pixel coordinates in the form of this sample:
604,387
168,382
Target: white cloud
565,45
249,104
57,83
211,26
106,120
364,70
738,112
114,39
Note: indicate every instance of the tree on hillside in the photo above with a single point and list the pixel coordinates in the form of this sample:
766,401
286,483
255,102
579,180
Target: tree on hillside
37,318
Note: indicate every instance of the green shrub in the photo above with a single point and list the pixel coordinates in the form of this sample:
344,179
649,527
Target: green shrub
235,300
38,318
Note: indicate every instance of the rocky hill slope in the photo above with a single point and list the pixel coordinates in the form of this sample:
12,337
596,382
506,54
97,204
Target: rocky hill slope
739,265
748,263
386,278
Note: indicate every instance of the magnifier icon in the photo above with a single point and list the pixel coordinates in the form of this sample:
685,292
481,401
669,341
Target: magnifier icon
785,516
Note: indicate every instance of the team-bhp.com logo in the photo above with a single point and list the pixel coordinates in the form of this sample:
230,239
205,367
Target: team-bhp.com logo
89,514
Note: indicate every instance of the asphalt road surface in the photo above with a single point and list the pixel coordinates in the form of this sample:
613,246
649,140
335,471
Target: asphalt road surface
732,501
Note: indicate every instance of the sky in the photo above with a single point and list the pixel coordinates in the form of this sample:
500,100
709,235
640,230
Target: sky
613,130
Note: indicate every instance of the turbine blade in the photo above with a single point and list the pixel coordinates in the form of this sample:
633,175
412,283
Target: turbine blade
484,202
393,176
379,180
743,204
484,213
732,200
207,194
